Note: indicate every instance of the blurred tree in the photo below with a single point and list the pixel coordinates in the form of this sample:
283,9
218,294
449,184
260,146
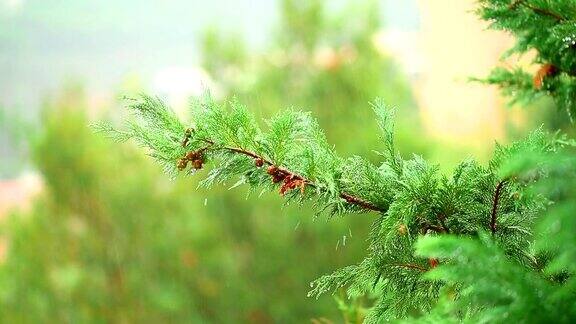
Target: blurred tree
99,244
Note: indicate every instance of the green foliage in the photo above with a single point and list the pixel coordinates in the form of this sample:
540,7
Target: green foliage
412,197
547,27
486,243
232,140
500,289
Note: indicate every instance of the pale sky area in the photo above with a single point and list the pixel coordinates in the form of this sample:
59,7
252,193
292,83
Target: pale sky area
43,43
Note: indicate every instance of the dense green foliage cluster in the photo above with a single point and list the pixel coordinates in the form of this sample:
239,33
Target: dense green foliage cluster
486,243
413,199
493,287
549,29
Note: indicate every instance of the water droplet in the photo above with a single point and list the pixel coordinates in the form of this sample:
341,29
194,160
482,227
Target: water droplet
205,201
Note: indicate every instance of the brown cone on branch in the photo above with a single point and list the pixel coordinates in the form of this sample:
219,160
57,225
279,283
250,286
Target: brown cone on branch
195,157
277,174
547,70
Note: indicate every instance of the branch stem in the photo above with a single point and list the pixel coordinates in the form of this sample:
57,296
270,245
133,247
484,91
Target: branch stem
410,266
349,198
536,10
544,12
495,201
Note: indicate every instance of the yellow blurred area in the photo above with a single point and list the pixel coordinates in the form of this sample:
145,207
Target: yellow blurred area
456,46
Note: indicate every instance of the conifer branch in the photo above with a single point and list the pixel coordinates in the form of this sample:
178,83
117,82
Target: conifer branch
495,201
290,178
293,154
544,12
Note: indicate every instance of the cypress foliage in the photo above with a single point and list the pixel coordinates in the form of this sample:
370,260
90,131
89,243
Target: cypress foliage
549,29
486,243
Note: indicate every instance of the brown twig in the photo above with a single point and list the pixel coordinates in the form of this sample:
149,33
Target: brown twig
537,10
410,266
287,174
400,265
359,202
493,215
442,219
544,12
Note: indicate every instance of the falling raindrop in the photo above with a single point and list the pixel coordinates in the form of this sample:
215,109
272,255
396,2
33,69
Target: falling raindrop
297,225
205,201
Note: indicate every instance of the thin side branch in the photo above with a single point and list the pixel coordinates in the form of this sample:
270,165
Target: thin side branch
495,201
377,279
349,198
544,12
359,202
410,266
537,10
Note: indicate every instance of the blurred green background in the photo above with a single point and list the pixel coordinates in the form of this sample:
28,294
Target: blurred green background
91,231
